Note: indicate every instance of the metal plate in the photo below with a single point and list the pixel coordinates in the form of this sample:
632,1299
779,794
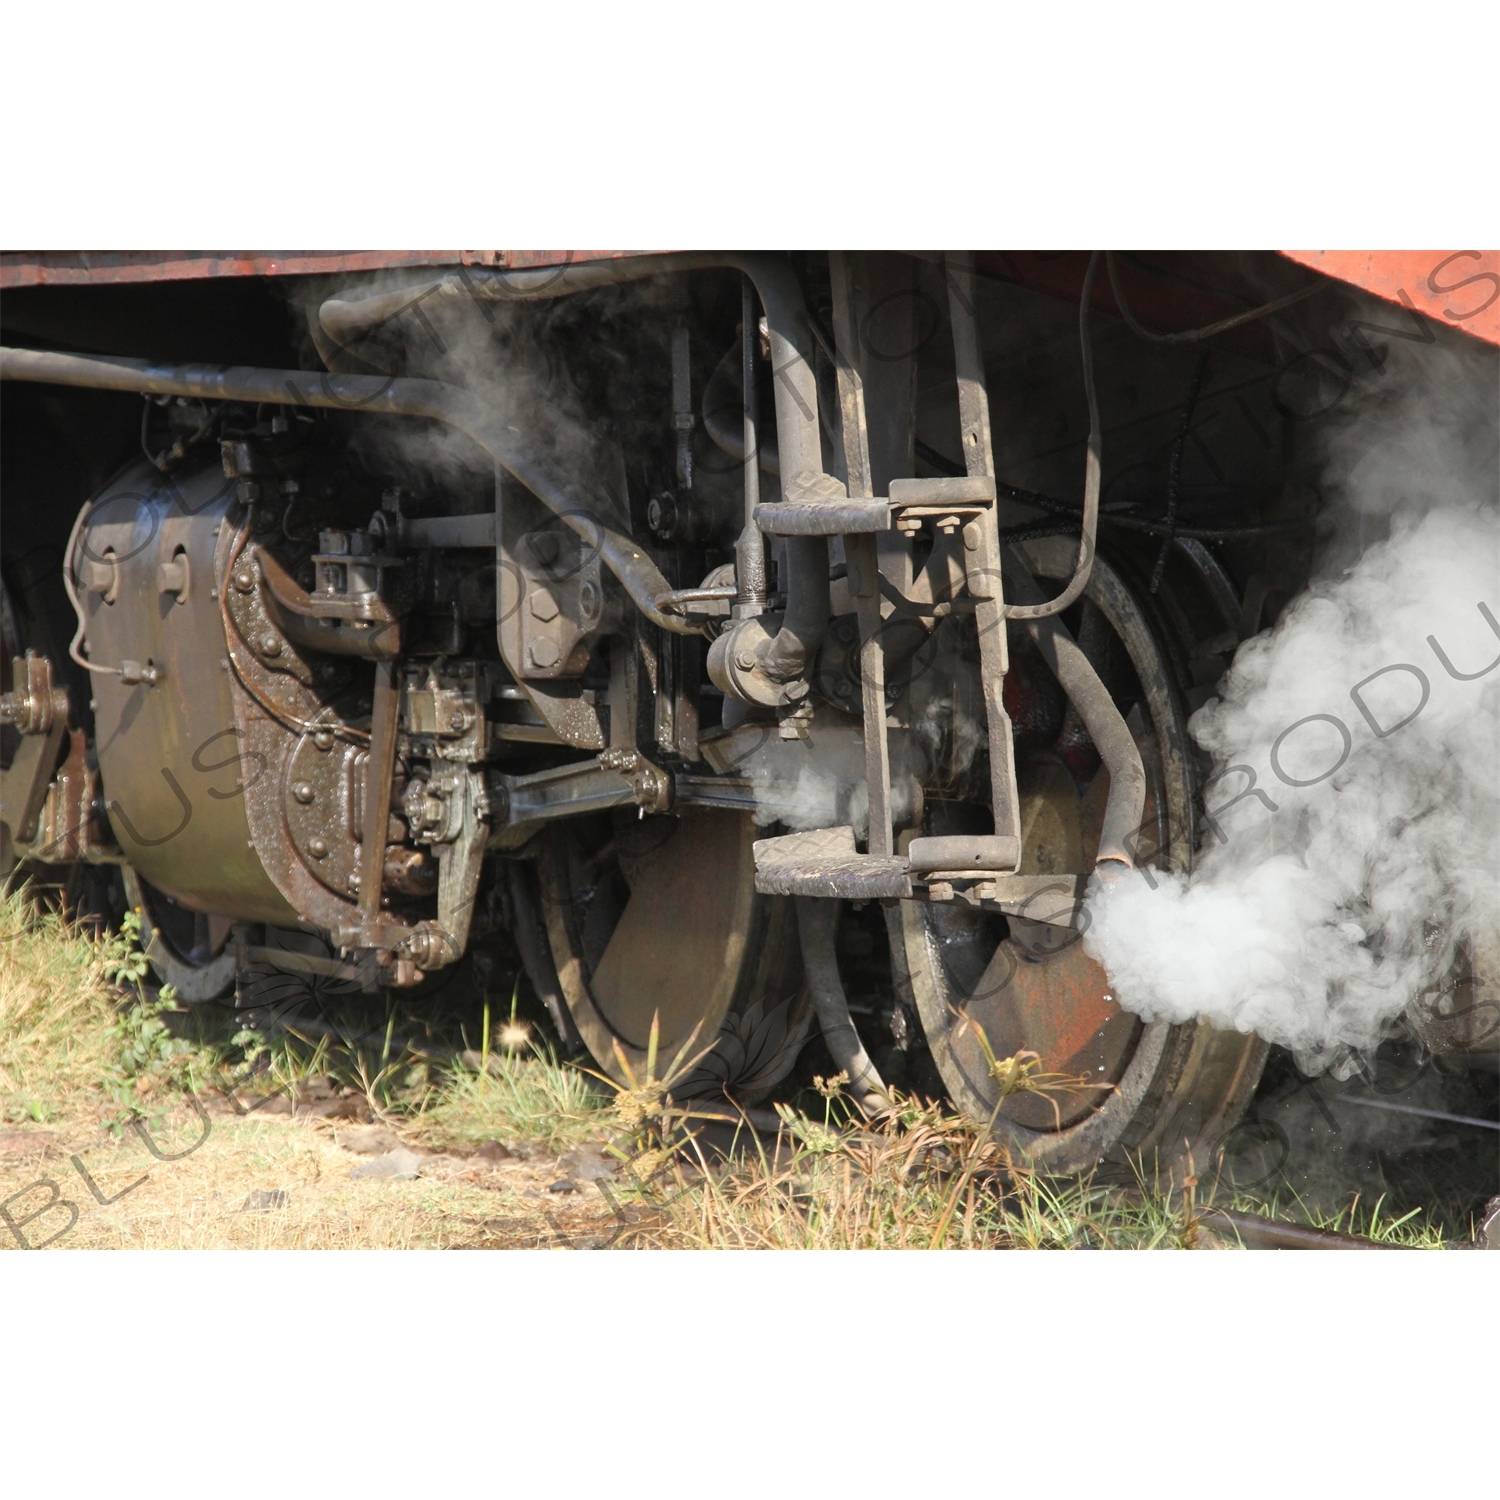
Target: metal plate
659,916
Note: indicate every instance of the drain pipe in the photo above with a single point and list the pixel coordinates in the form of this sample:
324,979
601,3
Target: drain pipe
817,921
1110,733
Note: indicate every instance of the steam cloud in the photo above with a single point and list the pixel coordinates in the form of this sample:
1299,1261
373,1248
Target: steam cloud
1333,890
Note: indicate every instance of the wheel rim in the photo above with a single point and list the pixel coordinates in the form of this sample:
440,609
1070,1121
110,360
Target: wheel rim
188,950
658,917
1029,986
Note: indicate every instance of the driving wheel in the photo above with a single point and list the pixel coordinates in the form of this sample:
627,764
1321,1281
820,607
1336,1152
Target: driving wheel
1148,1088
187,949
658,917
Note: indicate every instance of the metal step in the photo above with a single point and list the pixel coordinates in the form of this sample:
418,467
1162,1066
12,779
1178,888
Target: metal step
824,518
833,515
824,862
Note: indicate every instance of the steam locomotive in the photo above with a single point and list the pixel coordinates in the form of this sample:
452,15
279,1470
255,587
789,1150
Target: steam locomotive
669,612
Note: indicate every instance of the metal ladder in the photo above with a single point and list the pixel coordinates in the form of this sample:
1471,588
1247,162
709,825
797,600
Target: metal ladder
827,862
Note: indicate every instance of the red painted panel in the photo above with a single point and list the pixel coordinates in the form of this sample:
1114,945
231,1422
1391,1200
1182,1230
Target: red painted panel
1458,287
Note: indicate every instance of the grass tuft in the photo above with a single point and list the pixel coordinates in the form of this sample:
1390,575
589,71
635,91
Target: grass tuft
57,1012
513,1096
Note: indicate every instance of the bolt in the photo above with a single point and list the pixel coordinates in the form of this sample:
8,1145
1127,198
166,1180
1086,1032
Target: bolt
456,722
318,848
543,605
270,645
303,791
745,661
544,653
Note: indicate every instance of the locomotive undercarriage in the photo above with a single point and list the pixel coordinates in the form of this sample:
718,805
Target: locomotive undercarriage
658,667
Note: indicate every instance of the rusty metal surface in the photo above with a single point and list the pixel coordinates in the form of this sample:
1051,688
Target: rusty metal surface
687,880
177,765
1256,1233
1030,985
663,918
40,712
68,829
20,268
1039,991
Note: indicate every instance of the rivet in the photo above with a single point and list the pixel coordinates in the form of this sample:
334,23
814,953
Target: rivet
303,791
318,848
323,739
244,580
270,645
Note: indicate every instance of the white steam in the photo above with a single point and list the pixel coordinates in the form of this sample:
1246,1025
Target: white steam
818,782
1319,911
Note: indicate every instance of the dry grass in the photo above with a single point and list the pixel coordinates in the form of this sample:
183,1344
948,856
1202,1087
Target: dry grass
56,1013
88,1078
858,1191
516,1096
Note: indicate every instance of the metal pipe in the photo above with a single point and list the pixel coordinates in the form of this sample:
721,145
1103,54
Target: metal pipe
1093,469
384,396
790,652
817,921
1111,735
349,318
723,396
1256,1233
787,656
750,549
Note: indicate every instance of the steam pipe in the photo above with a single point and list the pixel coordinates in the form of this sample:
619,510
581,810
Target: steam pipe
349,318
1111,735
386,396
750,549
817,920
789,654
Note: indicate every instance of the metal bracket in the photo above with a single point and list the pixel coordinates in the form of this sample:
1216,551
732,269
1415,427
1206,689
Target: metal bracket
40,712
